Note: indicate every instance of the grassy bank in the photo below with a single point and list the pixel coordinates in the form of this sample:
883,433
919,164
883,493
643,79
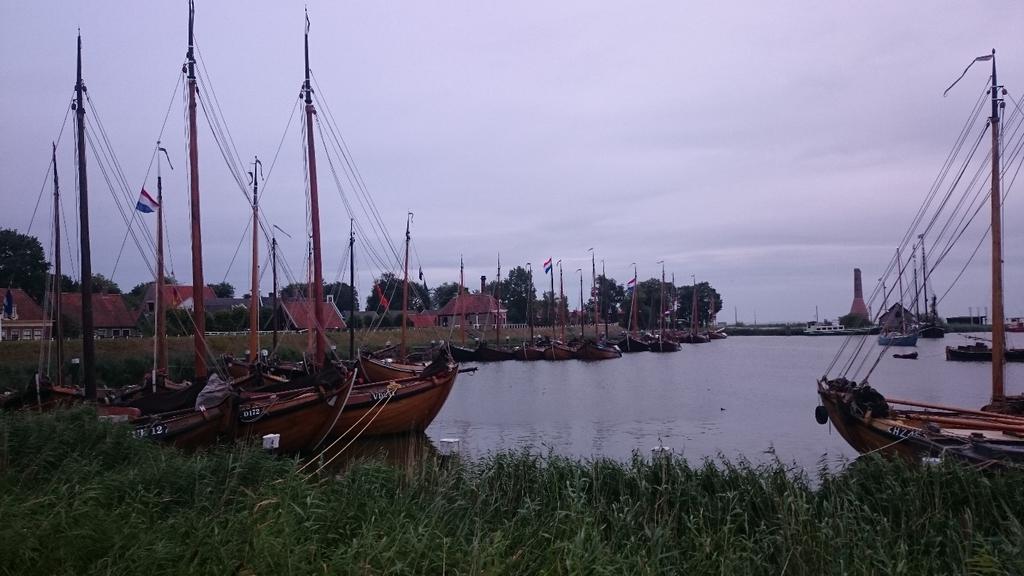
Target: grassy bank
81,497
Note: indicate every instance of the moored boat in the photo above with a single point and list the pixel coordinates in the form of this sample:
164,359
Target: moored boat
591,350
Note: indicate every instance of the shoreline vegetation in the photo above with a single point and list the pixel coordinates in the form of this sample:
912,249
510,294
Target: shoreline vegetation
80,496
122,362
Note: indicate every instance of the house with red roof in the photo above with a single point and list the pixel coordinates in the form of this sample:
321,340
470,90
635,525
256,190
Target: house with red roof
174,296
22,318
111,316
299,314
479,311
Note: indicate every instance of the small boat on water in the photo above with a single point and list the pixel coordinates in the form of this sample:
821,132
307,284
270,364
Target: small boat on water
633,343
907,356
897,339
591,350
981,352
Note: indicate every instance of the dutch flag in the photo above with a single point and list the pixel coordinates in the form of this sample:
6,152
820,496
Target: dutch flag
631,283
547,266
146,203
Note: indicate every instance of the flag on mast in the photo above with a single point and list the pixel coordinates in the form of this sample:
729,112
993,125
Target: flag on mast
547,266
146,203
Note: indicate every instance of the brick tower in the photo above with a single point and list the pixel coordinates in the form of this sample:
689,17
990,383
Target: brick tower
858,307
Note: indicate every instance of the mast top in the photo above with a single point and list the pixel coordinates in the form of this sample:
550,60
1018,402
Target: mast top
190,55
307,89
78,77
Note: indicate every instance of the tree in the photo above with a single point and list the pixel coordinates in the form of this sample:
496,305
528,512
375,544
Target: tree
445,293
343,295
709,303
516,292
103,285
391,287
611,296
223,289
22,263
854,321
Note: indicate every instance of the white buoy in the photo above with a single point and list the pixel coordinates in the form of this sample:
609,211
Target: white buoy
660,451
931,461
271,441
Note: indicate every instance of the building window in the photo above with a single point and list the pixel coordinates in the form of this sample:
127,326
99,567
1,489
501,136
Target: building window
37,334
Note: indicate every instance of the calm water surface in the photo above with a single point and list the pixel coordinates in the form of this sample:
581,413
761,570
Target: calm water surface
741,397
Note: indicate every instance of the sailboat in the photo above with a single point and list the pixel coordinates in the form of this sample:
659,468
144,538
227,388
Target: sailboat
597,348
555,349
631,340
990,437
905,335
662,342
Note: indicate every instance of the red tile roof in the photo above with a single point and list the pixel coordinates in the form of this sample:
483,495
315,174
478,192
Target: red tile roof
174,294
24,306
300,310
423,319
470,304
108,310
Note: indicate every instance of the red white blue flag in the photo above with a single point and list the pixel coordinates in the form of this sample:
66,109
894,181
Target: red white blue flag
146,203
547,266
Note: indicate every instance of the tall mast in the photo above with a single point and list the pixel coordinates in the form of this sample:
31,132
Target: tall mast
497,318
661,301
88,346
601,297
405,284
998,328
551,270
459,303
594,294
159,313
352,289
199,302
529,301
56,293
694,312
254,285
917,290
634,321
561,299
314,216
277,296
583,324
924,277
899,270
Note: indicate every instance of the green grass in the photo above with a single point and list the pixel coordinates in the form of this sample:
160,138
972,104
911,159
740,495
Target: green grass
82,497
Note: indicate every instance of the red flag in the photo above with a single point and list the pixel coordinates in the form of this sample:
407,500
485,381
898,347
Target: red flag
384,302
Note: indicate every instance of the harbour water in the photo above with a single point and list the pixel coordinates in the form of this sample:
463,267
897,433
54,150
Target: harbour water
744,397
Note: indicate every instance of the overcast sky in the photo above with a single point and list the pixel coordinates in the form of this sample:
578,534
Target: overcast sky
765,147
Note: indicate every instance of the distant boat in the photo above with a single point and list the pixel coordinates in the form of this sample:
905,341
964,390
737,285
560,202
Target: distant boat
591,350
824,327
1015,325
897,339
981,352
907,356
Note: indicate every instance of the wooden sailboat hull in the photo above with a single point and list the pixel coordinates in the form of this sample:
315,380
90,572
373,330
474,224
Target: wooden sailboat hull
717,335
932,331
916,434
593,351
663,345
629,343
374,370
558,352
462,354
395,407
687,338
303,418
187,429
488,354
529,353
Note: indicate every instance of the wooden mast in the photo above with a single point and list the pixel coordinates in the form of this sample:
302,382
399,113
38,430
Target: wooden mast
320,348
460,304
198,287
56,293
254,285
924,281
694,314
88,345
529,301
601,297
277,295
634,320
561,299
899,271
352,288
583,324
661,302
998,327
497,316
159,308
551,270
594,294
405,285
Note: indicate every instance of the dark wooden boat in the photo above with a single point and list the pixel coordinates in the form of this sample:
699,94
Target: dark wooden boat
931,331
399,405
631,343
558,351
188,428
376,370
659,344
590,350
908,356
462,354
689,338
529,352
487,353
302,417
981,352
717,334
